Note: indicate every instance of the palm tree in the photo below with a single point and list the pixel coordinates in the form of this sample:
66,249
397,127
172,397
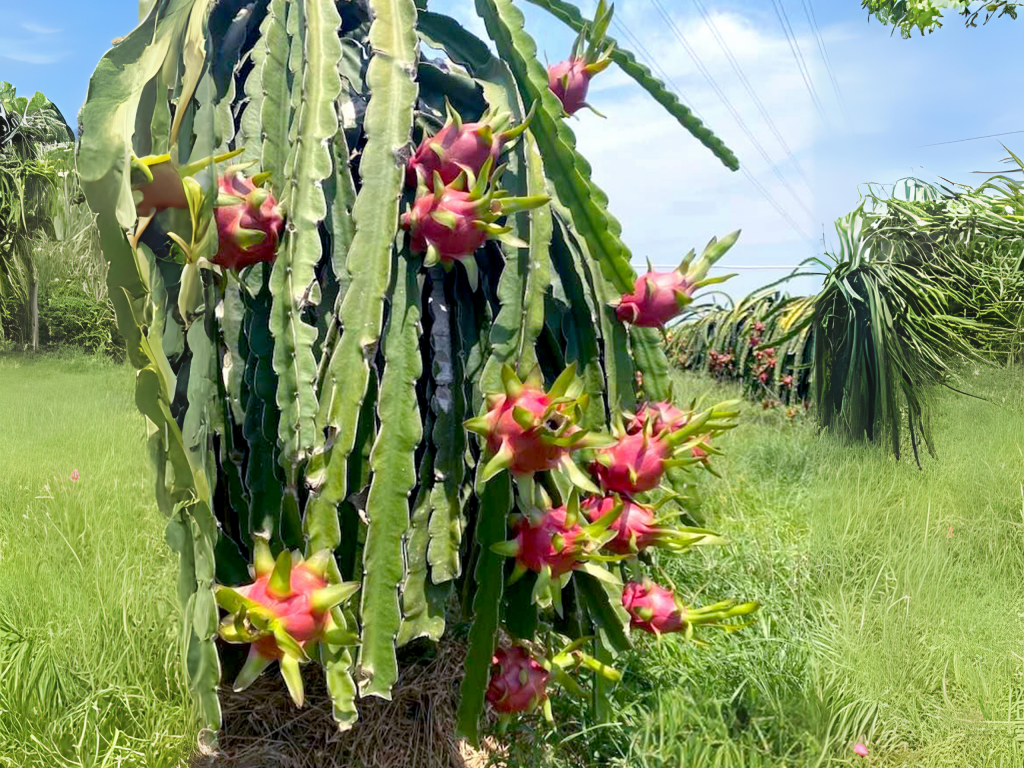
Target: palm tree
29,130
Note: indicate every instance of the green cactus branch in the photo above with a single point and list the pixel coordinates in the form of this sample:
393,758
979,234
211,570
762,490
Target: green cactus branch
309,164
394,477
569,171
570,15
388,125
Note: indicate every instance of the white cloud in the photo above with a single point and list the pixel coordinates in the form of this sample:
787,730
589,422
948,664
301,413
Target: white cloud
39,30
670,192
20,51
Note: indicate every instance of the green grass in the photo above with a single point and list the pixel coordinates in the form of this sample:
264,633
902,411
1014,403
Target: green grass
89,674
880,624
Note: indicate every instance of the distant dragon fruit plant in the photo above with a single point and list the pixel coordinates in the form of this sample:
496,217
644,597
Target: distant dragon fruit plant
352,438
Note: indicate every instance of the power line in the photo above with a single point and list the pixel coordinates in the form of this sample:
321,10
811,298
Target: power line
746,84
635,41
798,56
725,100
813,21
973,138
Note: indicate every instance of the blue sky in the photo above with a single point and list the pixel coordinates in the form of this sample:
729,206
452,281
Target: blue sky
670,193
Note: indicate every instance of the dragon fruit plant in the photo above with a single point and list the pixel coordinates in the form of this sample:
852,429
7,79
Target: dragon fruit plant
310,372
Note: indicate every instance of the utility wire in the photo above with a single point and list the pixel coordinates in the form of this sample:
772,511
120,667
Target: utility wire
813,21
798,56
746,84
725,100
653,63
973,138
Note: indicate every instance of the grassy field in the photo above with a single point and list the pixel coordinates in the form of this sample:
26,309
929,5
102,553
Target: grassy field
88,608
893,602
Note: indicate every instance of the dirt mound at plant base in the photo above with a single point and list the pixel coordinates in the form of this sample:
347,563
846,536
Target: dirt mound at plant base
416,729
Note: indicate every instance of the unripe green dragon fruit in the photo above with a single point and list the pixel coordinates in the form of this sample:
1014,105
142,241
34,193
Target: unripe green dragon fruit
284,614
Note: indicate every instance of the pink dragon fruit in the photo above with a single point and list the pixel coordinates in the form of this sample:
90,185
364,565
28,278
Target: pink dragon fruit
635,463
637,529
529,430
459,147
652,608
249,223
283,613
549,540
637,460
452,222
519,684
569,80
657,610
657,297
663,416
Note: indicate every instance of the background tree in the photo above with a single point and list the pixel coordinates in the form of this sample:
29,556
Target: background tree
29,128
923,15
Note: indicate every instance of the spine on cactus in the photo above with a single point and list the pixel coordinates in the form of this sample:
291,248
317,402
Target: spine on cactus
309,364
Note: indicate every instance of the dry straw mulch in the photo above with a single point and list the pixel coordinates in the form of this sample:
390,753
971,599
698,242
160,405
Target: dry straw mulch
416,729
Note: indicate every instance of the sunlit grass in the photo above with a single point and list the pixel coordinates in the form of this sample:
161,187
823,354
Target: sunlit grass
892,596
89,671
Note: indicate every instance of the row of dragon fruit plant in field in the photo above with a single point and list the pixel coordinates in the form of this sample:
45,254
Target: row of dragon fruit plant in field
310,360
752,343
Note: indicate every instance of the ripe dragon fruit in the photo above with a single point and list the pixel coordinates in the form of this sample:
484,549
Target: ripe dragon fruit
549,541
657,297
663,416
636,527
553,542
249,222
283,614
569,80
450,223
519,684
460,146
636,462
657,610
529,430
